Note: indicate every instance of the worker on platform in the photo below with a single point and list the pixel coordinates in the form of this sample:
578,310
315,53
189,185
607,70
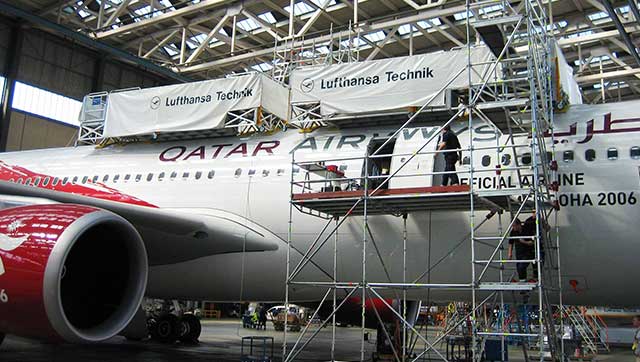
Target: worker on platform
449,141
525,249
636,338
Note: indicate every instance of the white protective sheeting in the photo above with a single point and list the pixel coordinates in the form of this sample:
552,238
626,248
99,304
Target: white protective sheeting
192,106
386,84
567,81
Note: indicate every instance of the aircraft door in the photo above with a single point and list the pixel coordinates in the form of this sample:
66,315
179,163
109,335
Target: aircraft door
380,164
413,173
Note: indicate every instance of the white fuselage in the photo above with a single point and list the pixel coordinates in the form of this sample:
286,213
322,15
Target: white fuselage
598,221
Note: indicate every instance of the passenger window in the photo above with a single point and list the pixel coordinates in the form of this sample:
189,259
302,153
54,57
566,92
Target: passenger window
161,176
612,154
466,160
116,178
506,159
567,156
75,180
36,181
486,160
185,175
85,179
198,175
65,181
238,172
45,182
590,155
105,178
95,179
252,172
173,175
211,174
526,158
55,181
138,177
20,181
127,177
150,177
12,180
280,171
634,152
265,173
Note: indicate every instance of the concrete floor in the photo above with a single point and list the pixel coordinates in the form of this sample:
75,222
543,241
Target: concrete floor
220,341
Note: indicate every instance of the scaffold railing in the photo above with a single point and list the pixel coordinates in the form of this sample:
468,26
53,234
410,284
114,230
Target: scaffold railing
519,86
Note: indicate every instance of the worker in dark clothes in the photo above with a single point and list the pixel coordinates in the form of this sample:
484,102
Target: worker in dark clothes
449,141
525,249
529,229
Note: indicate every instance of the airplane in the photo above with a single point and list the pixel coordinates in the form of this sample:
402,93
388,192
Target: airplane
87,232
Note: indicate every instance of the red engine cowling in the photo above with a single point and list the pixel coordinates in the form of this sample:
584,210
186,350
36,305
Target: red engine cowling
69,272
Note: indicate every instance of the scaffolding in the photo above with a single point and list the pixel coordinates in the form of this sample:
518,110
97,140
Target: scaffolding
238,122
515,99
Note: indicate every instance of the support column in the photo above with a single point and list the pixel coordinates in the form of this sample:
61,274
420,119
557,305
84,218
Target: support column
97,83
10,72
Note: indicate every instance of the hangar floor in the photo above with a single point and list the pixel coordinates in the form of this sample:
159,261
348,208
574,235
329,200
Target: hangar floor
220,341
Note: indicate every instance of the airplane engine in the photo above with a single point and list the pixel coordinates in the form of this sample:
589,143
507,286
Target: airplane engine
69,272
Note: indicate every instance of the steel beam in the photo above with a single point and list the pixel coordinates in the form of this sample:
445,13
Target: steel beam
608,75
203,5
14,50
382,25
80,38
623,33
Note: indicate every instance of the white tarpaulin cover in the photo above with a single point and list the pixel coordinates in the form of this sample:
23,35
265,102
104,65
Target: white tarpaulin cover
192,106
385,84
568,83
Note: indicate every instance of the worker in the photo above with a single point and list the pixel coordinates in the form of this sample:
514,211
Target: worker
636,338
449,141
262,318
525,249
529,231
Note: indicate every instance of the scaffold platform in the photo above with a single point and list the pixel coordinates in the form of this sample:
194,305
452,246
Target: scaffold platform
405,200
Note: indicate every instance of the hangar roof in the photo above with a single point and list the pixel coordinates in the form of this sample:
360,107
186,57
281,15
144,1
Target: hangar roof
209,38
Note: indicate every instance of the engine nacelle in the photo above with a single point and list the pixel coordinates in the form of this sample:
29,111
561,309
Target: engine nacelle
69,272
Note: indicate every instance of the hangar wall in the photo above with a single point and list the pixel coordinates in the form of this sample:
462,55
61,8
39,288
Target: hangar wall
27,132
56,64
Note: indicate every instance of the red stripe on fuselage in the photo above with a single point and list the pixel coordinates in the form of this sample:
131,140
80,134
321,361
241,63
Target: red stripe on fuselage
96,190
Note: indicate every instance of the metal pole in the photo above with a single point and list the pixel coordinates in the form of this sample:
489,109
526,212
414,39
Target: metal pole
291,16
335,290
289,241
470,108
233,35
364,253
404,280
183,45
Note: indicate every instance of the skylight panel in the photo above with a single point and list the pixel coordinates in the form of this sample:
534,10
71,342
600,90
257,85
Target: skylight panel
262,67
406,29
170,51
299,8
268,17
247,24
374,37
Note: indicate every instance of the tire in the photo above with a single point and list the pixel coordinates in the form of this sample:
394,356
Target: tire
190,329
167,329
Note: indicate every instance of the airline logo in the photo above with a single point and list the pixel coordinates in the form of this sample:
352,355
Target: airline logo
9,243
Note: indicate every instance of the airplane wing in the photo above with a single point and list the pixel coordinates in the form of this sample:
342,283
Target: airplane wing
170,235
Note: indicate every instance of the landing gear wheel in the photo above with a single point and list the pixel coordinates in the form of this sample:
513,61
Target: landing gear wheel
167,329
190,329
